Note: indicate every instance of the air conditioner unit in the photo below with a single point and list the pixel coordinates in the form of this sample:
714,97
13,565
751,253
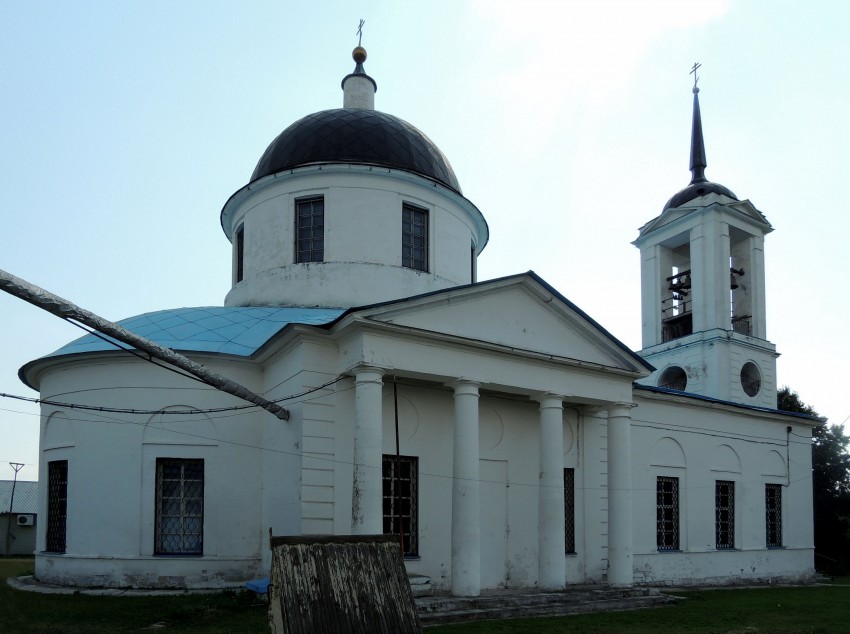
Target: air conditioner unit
26,520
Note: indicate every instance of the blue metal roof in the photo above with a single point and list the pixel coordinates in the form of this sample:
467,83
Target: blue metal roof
236,330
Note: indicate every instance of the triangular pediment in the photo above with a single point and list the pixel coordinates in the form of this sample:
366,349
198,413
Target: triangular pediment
748,210
742,210
520,313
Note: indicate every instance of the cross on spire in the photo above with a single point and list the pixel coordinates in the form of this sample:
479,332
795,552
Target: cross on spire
698,163
360,32
694,73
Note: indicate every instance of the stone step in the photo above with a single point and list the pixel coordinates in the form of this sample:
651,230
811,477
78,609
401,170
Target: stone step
510,597
507,605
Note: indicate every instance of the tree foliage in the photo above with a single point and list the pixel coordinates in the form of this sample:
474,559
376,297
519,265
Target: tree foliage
831,487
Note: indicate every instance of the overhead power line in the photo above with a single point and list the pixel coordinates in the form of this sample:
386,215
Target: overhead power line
149,412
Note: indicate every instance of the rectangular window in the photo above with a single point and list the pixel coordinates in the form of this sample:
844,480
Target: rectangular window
179,507
240,253
401,500
310,229
569,510
773,515
414,237
724,514
667,513
57,505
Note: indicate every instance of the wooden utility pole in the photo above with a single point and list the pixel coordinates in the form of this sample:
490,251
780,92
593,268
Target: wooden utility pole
67,310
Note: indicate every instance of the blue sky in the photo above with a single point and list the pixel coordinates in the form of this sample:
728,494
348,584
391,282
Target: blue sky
126,126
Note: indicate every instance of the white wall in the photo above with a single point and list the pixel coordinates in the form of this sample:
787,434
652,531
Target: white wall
700,443
509,459
296,477
362,238
111,473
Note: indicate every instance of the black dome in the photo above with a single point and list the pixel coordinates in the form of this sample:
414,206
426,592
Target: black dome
354,135
695,190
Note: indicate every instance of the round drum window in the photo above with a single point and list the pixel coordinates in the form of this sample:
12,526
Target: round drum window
673,378
750,379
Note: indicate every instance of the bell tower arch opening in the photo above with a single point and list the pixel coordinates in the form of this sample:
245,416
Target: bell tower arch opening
702,289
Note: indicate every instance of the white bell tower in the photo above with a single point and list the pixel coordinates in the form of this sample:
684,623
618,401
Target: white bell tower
703,291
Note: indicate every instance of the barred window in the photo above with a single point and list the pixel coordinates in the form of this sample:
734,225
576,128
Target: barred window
179,507
401,500
773,515
667,513
57,505
240,253
310,229
414,238
724,514
569,511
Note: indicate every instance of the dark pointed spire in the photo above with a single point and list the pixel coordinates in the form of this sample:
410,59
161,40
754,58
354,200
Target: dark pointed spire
698,163
699,185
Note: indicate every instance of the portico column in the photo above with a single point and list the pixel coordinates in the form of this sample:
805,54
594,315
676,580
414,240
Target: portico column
620,571
594,432
366,496
466,532
551,567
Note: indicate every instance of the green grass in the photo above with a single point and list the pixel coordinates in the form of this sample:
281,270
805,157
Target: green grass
214,613
807,610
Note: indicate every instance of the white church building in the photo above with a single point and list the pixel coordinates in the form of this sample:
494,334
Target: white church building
505,435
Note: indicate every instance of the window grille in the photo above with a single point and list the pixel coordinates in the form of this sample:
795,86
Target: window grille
401,500
773,514
57,505
240,253
569,511
667,513
724,514
414,238
310,229
179,507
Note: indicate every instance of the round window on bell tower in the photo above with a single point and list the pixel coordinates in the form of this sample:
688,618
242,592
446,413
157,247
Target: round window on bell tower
750,379
673,378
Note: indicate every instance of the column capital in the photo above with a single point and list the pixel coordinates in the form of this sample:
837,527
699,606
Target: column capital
464,386
620,409
367,374
549,400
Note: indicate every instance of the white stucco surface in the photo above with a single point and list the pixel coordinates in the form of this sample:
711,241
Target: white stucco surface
491,388
362,242
298,476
